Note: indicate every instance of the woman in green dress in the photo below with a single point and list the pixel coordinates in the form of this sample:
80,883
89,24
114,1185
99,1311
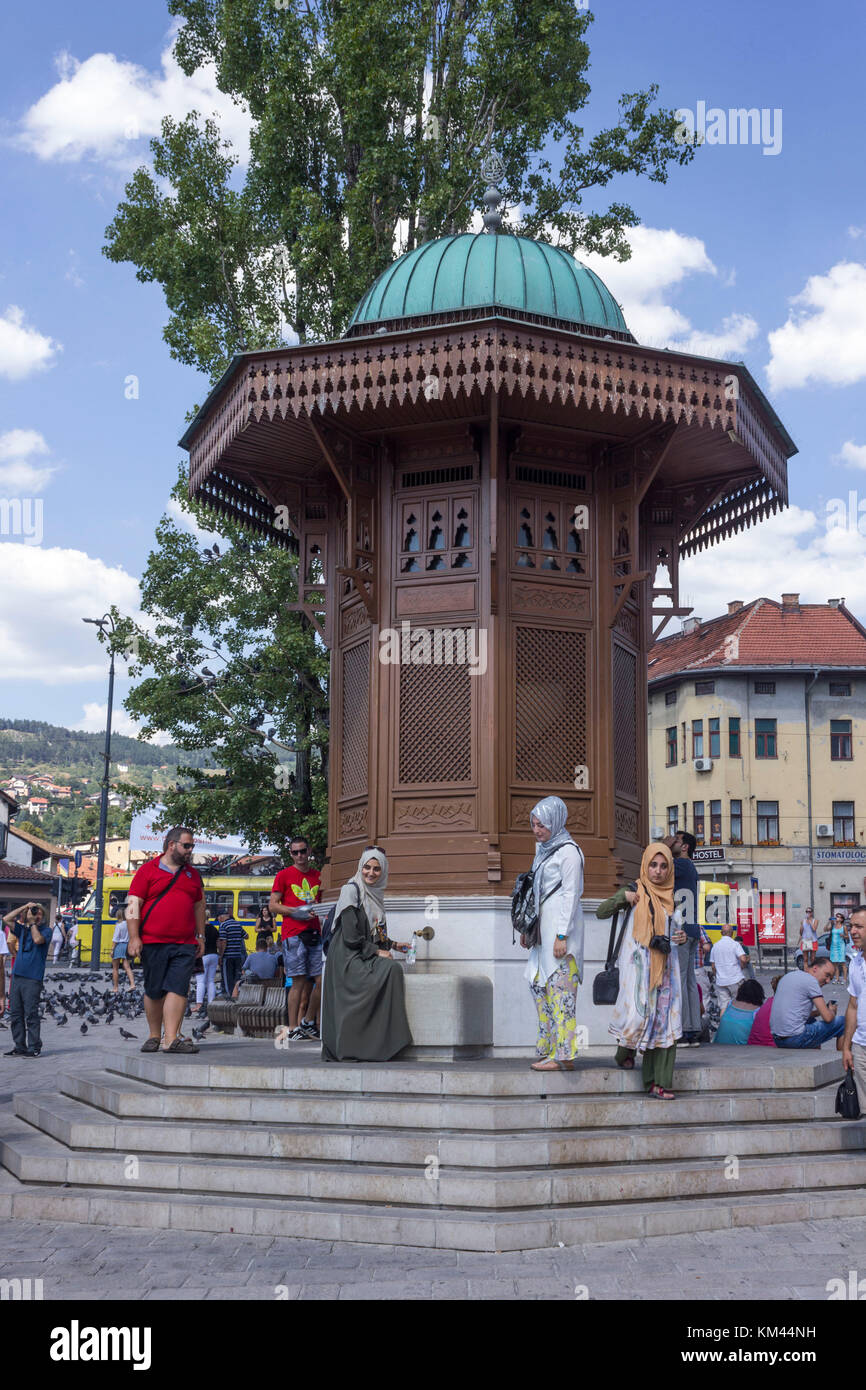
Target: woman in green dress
363,1006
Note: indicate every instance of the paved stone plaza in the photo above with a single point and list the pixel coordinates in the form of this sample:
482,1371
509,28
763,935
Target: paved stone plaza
792,1261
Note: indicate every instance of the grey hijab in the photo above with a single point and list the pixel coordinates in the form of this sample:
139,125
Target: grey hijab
371,899
552,812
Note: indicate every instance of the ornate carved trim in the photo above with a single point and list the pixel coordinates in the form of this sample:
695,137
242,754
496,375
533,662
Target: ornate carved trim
440,814
353,823
580,813
527,597
353,620
626,823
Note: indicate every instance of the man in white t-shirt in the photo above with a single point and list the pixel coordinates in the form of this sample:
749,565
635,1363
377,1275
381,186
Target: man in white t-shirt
854,1042
728,958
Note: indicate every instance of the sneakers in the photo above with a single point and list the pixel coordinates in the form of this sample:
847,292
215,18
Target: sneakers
17,1052
308,1029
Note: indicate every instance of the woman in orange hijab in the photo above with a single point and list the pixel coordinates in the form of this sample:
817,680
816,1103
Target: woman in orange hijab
647,1018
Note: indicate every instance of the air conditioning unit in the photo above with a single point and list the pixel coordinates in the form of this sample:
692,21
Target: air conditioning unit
703,764
658,832
824,831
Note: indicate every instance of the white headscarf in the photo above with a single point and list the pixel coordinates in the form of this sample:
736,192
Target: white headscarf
371,899
552,812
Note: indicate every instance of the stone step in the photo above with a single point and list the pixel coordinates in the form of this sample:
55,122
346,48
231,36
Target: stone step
411,1226
130,1098
253,1065
81,1126
34,1156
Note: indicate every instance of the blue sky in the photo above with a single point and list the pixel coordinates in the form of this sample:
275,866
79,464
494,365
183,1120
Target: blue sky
743,254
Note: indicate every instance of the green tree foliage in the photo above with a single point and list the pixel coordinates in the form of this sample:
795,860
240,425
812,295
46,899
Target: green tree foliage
227,614
370,120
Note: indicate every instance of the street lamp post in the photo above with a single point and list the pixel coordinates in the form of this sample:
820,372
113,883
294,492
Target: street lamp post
103,799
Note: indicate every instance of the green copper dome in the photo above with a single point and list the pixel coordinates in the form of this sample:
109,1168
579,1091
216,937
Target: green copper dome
447,278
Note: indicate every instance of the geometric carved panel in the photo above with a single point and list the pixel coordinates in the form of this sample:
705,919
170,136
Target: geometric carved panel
528,596
435,733
356,720
624,720
550,705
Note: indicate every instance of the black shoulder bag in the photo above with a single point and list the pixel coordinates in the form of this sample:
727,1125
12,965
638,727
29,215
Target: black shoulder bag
605,986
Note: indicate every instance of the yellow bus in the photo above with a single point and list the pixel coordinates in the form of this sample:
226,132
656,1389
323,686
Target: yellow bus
715,908
243,896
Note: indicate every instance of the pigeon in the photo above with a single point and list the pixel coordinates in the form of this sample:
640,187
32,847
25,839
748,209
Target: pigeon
198,1033
110,1017
63,1019
91,1018
83,1028
128,1036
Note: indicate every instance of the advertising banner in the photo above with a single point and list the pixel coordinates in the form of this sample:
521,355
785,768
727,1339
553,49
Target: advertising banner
143,836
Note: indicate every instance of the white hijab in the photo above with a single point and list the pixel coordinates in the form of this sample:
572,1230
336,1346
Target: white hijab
371,899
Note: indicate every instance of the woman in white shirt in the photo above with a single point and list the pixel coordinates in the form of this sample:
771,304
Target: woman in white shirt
119,945
555,966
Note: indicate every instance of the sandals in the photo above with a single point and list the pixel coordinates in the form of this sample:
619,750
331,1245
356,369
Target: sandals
152,1045
659,1092
181,1045
557,1066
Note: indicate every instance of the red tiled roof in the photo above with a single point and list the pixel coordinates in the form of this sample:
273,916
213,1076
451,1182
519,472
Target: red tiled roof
764,633
22,873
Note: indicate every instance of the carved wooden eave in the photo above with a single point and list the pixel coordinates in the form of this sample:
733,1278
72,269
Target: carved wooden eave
255,426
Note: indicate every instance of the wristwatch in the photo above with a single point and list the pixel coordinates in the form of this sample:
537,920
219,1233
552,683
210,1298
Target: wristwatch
561,938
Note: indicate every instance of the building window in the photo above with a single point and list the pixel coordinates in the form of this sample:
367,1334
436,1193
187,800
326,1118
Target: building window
736,822
670,697
715,738
768,822
715,822
705,687
840,687
765,738
673,820
765,687
697,738
840,740
672,746
698,821
733,738
843,823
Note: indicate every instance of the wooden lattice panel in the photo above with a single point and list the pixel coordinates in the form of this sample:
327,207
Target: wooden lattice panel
355,719
550,705
435,724
624,720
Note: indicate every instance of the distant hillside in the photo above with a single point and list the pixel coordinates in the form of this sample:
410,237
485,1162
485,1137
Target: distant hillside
28,745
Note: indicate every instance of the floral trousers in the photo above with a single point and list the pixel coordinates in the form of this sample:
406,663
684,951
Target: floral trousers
556,1002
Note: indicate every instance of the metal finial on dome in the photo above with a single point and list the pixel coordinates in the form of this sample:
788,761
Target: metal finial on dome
493,170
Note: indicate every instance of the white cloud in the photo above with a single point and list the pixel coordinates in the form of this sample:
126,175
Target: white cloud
19,475
661,260
73,275
187,522
23,350
856,232
824,339
101,107
853,454
46,593
795,551
93,720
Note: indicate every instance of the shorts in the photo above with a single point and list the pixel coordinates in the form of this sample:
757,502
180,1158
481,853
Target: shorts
119,952
300,959
168,968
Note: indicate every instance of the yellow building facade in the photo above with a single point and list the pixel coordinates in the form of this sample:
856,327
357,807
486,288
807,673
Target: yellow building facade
757,745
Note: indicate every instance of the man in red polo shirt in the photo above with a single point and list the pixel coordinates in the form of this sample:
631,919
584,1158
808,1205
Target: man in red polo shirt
166,918
295,889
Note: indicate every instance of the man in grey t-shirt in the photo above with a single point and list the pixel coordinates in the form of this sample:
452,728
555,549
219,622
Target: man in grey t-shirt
798,997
